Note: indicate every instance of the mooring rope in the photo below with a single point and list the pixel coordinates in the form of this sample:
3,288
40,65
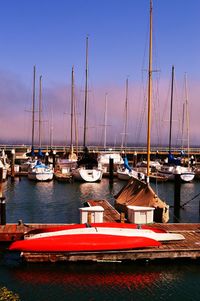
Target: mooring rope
190,200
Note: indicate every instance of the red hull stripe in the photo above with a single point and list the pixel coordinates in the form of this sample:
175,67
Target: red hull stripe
82,242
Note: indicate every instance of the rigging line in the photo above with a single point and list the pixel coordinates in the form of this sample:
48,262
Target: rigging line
142,89
190,200
156,113
143,110
178,112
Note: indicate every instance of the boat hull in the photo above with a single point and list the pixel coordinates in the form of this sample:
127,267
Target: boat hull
40,176
87,175
82,243
187,177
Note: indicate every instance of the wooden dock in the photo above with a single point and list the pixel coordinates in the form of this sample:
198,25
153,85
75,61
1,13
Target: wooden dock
188,248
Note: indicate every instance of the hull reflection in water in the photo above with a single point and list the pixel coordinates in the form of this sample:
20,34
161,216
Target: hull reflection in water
104,281
95,275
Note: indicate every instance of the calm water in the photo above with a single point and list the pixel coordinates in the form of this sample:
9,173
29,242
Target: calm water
55,202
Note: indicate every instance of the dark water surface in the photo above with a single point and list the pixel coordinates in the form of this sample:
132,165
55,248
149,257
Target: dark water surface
56,202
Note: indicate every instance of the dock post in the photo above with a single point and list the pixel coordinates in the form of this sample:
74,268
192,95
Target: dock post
111,167
122,217
177,194
12,164
2,200
134,159
199,208
54,159
89,218
47,158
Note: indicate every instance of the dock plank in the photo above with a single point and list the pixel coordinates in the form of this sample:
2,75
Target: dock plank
187,248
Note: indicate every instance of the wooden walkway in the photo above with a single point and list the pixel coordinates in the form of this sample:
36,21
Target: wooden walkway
187,248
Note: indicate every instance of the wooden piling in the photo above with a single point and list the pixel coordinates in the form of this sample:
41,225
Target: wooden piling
12,165
54,159
111,173
1,180
134,159
2,201
177,190
47,158
177,196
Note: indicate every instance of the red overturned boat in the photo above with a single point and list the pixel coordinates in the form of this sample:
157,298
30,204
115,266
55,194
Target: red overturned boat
82,243
95,237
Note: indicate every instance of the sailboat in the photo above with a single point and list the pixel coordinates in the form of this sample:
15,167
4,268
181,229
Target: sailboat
125,172
105,156
186,172
38,171
64,167
88,169
173,165
137,192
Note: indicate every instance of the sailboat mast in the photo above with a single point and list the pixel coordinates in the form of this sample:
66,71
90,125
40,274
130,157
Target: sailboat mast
33,109
86,94
171,110
51,129
105,120
72,107
126,114
187,117
40,111
149,95
183,125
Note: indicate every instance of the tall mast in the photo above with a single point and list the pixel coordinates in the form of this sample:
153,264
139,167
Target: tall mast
126,114
105,120
51,129
183,125
171,110
40,111
86,94
33,109
149,95
187,116
124,134
72,107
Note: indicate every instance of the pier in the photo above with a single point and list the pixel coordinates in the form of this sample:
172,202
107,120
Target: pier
131,151
188,248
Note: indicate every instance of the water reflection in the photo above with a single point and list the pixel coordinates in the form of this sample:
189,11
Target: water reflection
97,281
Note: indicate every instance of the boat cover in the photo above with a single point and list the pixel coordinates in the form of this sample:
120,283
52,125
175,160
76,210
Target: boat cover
139,193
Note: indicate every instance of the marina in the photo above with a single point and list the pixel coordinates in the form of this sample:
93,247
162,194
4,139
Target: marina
189,248
34,204
99,191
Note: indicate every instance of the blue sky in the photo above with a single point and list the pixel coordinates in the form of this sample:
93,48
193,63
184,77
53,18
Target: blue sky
51,35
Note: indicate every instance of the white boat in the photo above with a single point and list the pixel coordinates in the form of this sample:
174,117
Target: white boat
88,169
40,172
186,173
169,171
87,174
104,161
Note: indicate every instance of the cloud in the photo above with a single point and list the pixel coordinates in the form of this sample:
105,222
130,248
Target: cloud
16,100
